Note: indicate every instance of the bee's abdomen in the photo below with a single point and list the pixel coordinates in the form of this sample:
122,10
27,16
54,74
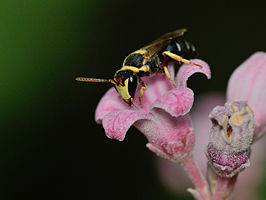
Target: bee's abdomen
182,48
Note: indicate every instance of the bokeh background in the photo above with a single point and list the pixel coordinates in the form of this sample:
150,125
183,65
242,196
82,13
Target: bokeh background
51,147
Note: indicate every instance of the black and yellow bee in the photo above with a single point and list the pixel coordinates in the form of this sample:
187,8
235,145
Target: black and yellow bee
148,60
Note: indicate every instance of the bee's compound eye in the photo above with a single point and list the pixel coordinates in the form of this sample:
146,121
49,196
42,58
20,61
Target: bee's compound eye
132,85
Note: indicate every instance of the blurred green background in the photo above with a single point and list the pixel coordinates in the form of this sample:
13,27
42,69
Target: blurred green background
50,145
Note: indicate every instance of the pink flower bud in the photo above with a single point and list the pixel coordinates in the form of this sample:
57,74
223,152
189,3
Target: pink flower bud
248,83
231,136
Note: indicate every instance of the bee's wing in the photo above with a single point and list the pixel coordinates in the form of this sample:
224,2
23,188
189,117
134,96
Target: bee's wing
154,47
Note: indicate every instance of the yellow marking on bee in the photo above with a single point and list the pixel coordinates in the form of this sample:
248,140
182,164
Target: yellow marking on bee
237,119
141,93
147,68
131,68
168,76
144,68
179,58
130,101
140,51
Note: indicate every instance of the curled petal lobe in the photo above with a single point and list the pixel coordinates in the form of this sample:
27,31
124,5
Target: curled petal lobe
187,70
176,102
117,123
248,83
110,102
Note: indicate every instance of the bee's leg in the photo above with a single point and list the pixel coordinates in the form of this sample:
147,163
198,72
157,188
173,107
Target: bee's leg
168,76
141,92
179,58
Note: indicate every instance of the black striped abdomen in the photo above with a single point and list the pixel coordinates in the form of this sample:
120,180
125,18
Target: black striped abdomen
182,48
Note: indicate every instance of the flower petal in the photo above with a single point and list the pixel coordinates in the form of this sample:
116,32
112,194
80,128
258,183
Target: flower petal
248,83
109,102
117,123
156,86
227,165
168,136
176,102
186,70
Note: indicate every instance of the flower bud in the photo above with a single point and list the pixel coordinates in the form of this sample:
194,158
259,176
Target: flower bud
248,83
231,136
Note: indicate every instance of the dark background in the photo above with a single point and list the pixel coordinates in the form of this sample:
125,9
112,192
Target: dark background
51,146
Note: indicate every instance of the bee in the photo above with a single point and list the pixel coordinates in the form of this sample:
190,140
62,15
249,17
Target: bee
150,59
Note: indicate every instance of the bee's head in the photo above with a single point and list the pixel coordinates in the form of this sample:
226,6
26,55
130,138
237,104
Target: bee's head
126,84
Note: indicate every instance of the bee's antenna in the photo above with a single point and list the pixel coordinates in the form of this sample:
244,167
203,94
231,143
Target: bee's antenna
84,79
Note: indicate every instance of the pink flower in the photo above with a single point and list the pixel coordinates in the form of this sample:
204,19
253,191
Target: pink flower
163,117
231,136
248,83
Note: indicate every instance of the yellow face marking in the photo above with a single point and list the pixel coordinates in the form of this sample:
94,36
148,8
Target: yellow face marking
123,90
